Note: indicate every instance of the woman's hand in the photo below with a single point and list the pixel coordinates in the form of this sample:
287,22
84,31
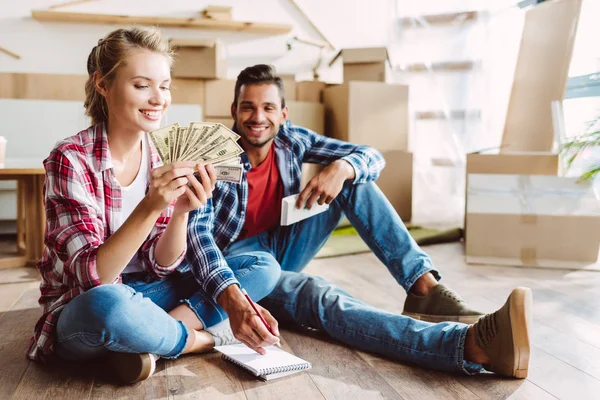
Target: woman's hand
168,183
200,191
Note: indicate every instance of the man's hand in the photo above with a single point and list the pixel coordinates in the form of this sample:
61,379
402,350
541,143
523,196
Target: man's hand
245,324
326,185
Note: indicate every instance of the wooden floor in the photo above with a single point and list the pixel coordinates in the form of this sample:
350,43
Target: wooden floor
565,357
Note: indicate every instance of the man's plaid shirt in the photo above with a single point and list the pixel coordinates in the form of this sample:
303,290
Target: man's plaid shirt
82,199
213,227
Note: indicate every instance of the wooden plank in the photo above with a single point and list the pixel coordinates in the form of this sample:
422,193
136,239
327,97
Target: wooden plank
493,387
454,66
60,380
10,53
338,371
441,19
107,387
413,382
16,328
166,22
454,114
296,386
205,376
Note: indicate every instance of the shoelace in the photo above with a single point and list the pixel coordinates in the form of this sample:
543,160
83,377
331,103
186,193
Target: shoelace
452,295
487,328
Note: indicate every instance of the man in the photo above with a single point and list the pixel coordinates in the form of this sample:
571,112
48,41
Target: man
244,220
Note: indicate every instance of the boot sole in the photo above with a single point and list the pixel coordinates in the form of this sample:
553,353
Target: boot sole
131,367
465,319
521,321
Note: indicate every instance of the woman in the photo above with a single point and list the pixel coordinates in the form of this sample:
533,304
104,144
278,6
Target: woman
117,224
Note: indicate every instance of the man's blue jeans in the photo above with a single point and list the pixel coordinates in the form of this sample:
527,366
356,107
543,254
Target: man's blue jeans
133,317
313,302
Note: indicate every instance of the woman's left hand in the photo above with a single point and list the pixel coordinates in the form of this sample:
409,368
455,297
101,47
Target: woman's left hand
200,191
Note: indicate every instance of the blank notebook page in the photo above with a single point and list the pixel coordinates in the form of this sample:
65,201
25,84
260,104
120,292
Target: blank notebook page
275,361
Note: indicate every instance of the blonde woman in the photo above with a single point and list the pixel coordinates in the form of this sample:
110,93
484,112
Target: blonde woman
117,226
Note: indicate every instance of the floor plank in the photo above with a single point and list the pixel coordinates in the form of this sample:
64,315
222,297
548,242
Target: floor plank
339,372
565,361
16,328
203,376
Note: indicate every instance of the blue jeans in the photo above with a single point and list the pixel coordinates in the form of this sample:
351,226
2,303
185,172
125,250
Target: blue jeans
133,317
311,301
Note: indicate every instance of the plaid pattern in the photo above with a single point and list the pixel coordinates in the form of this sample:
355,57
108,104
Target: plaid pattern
82,197
218,224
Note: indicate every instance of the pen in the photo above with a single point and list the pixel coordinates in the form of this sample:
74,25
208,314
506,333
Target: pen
259,316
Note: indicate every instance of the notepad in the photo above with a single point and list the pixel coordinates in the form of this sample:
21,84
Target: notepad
275,364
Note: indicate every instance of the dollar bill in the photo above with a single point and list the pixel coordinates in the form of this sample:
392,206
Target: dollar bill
160,140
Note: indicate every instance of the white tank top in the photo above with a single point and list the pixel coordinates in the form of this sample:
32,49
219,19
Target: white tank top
131,196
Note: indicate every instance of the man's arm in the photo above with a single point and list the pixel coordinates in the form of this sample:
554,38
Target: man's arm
210,269
366,162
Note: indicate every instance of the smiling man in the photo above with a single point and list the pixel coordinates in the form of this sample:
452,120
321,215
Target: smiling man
244,222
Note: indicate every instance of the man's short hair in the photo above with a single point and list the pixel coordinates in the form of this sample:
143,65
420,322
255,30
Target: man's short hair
260,74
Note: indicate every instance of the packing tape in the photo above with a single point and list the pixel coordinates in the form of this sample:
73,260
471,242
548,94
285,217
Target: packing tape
528,256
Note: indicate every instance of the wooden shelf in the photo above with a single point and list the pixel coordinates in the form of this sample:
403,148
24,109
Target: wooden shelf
438,66
166,22
443,19
454,114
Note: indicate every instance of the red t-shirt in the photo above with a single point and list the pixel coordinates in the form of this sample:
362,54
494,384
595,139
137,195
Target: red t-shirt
265,192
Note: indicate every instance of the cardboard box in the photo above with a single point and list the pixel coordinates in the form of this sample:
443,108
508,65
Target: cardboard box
228,122
310,91
522,163
365,64
541,74
218,96
42,86
289,86
187,91
532,220
307,115
309,171
370,113
196,58
395,181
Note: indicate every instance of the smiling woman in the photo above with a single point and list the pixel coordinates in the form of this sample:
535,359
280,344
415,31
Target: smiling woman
116,224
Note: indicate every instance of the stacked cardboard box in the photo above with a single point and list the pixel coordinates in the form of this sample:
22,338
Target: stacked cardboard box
520,213
365,64
376,114
196,58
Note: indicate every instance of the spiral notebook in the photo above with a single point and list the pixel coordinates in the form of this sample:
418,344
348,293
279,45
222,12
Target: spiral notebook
275,364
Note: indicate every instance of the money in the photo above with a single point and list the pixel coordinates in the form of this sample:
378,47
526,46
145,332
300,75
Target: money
208,143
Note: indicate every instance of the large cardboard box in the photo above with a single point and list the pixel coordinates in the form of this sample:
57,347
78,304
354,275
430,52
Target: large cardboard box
196,58
365,64
308,115
532,220
395,181
228,122
521,163
218,96
310,91
541,74
370,113
187,91
289,86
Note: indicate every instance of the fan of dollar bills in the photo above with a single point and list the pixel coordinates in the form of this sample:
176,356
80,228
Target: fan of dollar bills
205,142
